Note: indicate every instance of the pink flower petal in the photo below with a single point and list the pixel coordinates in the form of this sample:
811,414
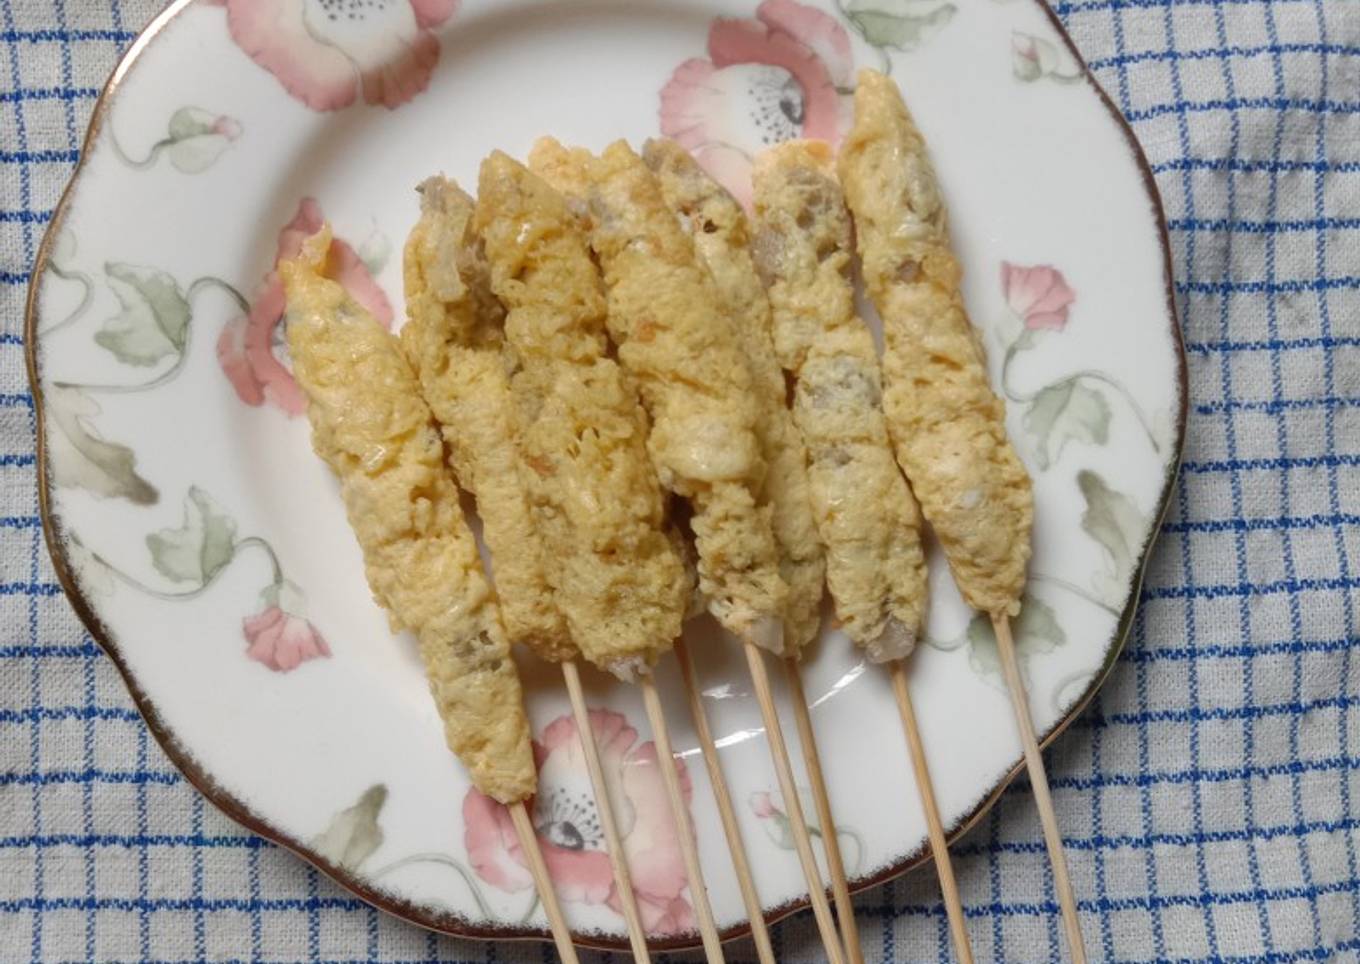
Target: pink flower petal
1038,295
281,641
762,805
559,734
819,31
393,82
731,168
752,42
276,382
689,103
431,13
652,848
345,266
674,916
274,34
580,876
612,733
492,846
262,621
307,220
231,355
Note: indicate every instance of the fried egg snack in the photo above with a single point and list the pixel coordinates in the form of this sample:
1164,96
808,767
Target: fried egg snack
947,425
454,341
371,426
673,337
868,519
618,574
721,236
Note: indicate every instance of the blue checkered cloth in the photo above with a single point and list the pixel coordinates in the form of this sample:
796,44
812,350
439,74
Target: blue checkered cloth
1210,797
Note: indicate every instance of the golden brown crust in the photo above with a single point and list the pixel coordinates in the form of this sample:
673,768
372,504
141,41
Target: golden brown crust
595,494
665,316
947,424
721,236
372,428
453,339
866,514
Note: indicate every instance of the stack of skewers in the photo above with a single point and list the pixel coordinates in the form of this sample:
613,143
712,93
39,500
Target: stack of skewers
595,336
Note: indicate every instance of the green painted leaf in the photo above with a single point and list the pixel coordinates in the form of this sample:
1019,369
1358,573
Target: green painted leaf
154,321
375,252
81,458
1036,630
63,250
190,122
353,834
1064,411
1114,521
200,547
193,155
91,572
900,24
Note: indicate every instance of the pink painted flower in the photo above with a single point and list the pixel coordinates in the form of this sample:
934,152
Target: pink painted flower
771,79
1039,295
252,350
282,641
569,831
763,805
1025,60
228,127
328,54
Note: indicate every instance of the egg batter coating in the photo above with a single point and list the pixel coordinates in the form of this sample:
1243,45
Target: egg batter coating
454,341
946,423
618,575
673,337
373,429
865,512
721,235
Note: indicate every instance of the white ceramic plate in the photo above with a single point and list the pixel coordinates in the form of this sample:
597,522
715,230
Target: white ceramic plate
206,548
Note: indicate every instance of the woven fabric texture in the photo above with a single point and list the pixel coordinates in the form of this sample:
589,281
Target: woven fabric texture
1211,795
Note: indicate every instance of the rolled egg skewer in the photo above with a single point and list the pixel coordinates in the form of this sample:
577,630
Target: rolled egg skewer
664,316
947,425
721,235
455,341
617,570
867,515
673,335
371,426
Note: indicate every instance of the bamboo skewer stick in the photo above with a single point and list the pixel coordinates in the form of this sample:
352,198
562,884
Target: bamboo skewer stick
812,759
939,848
618,860
821,909
524,828
703,911
1038,778
760,933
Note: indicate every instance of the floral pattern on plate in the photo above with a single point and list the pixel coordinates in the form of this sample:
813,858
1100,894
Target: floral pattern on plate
1074,407
569,829
251,348
780,75
193,141
327,58
197,553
